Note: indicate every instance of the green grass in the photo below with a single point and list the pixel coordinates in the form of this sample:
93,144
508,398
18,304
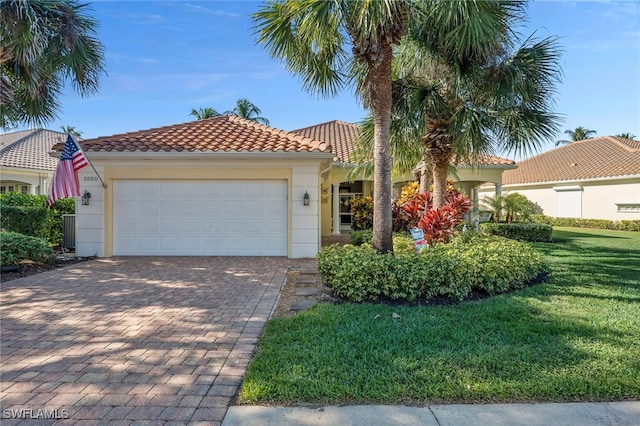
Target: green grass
574,338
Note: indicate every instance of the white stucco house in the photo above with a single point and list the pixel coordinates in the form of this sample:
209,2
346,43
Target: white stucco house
25,163
223,186
595,178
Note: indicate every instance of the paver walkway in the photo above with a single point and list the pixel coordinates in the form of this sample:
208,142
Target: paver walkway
135,340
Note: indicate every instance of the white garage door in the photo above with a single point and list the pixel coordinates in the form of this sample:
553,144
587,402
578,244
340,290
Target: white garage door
208,218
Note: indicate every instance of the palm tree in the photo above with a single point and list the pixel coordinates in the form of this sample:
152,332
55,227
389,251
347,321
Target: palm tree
245,109
579,134
71,130
310,37
45,43
462,90
626,136
202,113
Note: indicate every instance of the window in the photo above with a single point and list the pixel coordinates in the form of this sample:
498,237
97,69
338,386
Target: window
568,201
11,188
628,207
24,189
3,189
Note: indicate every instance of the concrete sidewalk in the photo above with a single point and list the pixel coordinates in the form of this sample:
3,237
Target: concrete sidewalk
557,414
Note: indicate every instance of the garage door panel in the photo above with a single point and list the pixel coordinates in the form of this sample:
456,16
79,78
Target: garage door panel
200,218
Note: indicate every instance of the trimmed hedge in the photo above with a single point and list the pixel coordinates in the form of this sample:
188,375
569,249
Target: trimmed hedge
17,247
25,220
534,232
16,215
616,225
486,263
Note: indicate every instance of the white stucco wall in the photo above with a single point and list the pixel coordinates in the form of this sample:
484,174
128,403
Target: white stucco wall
305,220
598,198
90,219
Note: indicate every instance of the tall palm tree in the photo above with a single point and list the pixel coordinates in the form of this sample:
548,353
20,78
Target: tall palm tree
462,90
202,113
245,109
579,134
44,44
71,130
626,135
310,37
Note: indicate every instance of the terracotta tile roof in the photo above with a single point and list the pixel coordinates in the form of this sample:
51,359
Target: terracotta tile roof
487,160
225,133
29,149
606,156
340,135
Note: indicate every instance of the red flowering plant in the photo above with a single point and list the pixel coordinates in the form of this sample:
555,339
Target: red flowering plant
415,210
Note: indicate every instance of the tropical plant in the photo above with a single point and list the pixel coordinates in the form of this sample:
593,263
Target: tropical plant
202,113
362,209
626,136
579,134
71,130
514,206
310,36
247,110
462,90
43,45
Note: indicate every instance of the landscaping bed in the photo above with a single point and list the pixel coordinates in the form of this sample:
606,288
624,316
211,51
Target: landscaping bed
571,338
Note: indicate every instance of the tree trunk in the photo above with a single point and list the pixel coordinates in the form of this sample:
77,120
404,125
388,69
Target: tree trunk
380,96
440,169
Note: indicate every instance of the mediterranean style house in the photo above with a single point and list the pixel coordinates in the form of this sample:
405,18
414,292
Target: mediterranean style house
226,186
25,163
592,179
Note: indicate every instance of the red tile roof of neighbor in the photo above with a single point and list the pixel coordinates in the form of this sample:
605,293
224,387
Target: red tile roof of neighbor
29,149
224,133
342,137
606,156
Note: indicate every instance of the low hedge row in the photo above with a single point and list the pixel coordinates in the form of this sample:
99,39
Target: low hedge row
617,225
17,247
486,263
534,232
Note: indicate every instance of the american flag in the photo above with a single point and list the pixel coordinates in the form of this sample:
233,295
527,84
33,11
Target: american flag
65,180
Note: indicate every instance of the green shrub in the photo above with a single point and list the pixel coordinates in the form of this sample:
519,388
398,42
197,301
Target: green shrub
362,209
25,220
485,263
20,216
616,225
17,247
519,231
62,206
361,236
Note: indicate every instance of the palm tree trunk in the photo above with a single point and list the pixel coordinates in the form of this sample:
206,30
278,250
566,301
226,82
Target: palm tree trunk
380,95
440,169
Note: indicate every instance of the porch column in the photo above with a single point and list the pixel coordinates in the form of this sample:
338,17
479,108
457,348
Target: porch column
335,216
499,194
476,207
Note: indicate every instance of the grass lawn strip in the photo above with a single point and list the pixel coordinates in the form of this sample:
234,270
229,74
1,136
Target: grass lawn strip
574,338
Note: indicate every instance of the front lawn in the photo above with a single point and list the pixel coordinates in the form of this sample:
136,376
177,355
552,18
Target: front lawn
574,338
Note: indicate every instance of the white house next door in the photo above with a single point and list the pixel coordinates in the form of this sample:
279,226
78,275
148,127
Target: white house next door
200,218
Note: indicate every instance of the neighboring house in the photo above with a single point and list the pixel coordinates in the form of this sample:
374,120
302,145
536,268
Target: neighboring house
593,179
219,186
25,163
337,189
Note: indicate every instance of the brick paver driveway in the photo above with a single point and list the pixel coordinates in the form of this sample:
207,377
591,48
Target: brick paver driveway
144,340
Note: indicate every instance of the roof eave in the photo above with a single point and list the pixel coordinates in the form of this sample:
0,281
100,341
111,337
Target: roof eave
574,181
199,155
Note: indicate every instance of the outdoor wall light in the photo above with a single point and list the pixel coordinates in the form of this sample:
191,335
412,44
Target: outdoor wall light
305,199
86,197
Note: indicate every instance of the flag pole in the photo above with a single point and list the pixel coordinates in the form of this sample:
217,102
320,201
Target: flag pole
104,185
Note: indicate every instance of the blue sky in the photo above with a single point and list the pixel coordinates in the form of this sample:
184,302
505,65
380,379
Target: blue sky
164,58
